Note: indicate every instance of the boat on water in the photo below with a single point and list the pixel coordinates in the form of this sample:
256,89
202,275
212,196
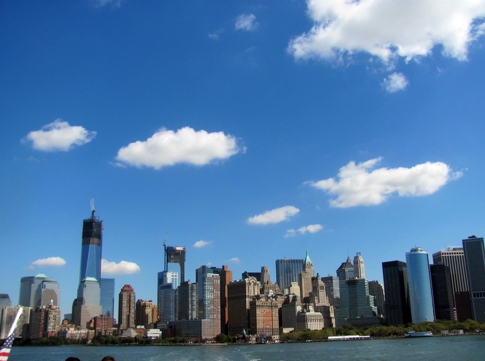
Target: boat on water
418,334
348,338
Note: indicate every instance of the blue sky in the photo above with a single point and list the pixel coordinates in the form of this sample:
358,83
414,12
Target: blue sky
246,131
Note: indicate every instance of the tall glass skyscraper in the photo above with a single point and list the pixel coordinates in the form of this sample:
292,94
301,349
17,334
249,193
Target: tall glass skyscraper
475,262
287,271
420,293
91,248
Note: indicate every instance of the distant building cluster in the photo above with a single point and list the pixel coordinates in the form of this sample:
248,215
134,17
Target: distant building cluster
452,288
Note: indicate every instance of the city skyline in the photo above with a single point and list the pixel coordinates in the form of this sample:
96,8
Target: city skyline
228,128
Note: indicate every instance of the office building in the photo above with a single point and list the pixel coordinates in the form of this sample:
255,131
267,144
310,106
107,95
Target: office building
166,306
305,278
225,279
420,292
240,294
376,289
7,316
355,303
91,250
332,288
87,304
265,276
287,271
442,292
187,299
398,311
263,316
475,260
107,297
359,268
126,308
39,290
346,270
5,300
208,298
454,258
175,255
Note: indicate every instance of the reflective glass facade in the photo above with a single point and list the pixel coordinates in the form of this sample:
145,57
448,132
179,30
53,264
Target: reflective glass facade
287,271
420,294
91,249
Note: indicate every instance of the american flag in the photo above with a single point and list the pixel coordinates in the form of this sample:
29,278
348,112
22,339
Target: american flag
7,345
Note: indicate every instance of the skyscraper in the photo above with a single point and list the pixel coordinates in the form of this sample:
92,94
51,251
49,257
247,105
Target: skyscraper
442,292
240,294
397,307
356,304
359,269
126,308
209,299
87,304
376,289
346,270
420,292
107,297
39,290
287,271
91,248
454,258
475,261
305,278
225,279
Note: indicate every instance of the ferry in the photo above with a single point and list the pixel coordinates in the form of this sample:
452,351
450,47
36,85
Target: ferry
418,334
348,338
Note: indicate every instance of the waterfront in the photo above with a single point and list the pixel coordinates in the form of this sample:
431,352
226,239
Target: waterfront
468,348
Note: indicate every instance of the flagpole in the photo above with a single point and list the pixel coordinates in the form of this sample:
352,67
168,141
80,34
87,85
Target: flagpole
14,324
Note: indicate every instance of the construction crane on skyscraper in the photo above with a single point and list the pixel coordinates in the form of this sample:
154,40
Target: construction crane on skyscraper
92,206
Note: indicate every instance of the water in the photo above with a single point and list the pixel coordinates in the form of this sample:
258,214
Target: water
454,348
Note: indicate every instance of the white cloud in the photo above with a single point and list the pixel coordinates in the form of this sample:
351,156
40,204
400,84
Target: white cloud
274,216
395,82
359,185
389,29
312,228
48,262
122,268
246,22
166,148
216,34
234,260
201,243
59,136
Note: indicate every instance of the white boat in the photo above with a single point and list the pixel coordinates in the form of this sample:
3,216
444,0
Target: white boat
418,334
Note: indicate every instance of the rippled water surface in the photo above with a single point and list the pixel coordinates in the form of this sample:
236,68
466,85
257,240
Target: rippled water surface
454,348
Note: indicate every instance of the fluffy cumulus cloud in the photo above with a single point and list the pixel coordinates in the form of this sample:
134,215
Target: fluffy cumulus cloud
48,262
274,216
312,228
168,147
59,136
361,185
122,268
389,29
201,244
246,22
395,82
234,260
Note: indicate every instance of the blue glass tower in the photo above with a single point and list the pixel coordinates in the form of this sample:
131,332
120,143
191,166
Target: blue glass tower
419,281
91,248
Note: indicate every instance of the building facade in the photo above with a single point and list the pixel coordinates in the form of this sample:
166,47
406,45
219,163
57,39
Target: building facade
420,291
397,309
287,271
442,292
359,268
240,294
126,308
474,250
355,302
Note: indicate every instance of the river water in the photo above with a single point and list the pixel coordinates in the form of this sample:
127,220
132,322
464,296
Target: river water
452,348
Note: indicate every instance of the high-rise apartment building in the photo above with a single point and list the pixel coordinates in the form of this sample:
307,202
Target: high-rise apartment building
442,292
287,271
144,313
240,294
187,309
396,290
359,268
126,308
420,292
475,262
